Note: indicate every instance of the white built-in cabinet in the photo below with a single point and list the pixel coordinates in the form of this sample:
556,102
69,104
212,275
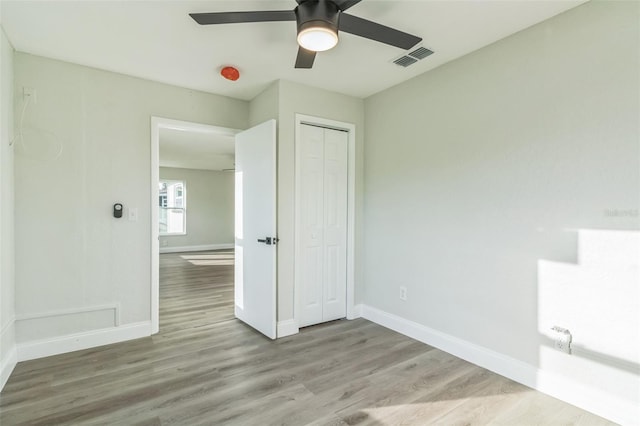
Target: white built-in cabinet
321,224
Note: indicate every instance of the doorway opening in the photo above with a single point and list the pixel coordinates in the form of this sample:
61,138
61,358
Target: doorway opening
194,160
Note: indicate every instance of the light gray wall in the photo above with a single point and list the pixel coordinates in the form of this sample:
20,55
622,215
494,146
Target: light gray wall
210,207
265,106
99,123
478,169
297,98
7,283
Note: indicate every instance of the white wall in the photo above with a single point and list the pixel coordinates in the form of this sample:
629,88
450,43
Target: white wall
297,98
265,106
478,169
87,146
210,208
7,283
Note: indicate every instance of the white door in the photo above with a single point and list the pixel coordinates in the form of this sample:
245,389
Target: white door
255,266
322,223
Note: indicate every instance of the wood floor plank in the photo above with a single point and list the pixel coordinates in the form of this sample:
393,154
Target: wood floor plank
207,368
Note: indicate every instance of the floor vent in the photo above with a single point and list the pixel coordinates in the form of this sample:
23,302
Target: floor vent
413,57
405,61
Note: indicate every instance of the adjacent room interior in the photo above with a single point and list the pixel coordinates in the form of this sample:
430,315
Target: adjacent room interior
447,232
196,165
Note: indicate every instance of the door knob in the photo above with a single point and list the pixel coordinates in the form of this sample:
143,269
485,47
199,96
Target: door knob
269,240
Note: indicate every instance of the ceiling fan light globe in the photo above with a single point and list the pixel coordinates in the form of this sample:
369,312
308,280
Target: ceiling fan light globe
317,39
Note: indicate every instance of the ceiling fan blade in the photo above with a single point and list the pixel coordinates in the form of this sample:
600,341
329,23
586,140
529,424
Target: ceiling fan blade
238,17
342,4
305,58
346,4
371,30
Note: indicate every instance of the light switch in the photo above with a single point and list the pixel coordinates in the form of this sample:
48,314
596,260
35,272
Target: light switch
133,214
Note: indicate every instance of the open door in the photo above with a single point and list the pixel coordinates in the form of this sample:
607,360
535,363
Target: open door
255,250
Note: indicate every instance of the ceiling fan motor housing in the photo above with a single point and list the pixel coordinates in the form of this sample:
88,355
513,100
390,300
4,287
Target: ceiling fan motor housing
317,13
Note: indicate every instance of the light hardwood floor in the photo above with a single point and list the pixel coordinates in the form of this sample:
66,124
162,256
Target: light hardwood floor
205,367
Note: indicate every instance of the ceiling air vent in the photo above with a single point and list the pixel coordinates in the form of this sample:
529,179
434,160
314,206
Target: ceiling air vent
413,57
421,53
405,61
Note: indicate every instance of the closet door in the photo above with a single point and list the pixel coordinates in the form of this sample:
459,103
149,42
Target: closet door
334,288
322,225
311,222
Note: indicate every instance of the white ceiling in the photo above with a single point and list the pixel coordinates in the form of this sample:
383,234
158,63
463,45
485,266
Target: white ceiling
157,40
196,150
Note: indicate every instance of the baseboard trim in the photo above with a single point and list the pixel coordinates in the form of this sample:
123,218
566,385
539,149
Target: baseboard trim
7,339
7,366
78,341
587,398
618,410
287,328
196,248
356,312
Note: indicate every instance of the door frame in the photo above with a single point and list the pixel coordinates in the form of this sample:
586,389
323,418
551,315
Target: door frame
158,123
350,128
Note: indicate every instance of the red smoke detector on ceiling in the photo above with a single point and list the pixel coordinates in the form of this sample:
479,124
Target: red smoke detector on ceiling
230,73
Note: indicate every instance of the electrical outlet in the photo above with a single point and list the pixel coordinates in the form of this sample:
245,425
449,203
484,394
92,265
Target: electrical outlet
403,293
562,339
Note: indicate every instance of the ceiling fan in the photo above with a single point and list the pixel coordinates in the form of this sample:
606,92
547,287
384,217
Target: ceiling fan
318,24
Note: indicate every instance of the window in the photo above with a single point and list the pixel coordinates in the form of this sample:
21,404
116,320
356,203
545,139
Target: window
173,204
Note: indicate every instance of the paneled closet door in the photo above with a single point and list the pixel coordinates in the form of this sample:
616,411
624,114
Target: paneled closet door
335,225
311,230
323,224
